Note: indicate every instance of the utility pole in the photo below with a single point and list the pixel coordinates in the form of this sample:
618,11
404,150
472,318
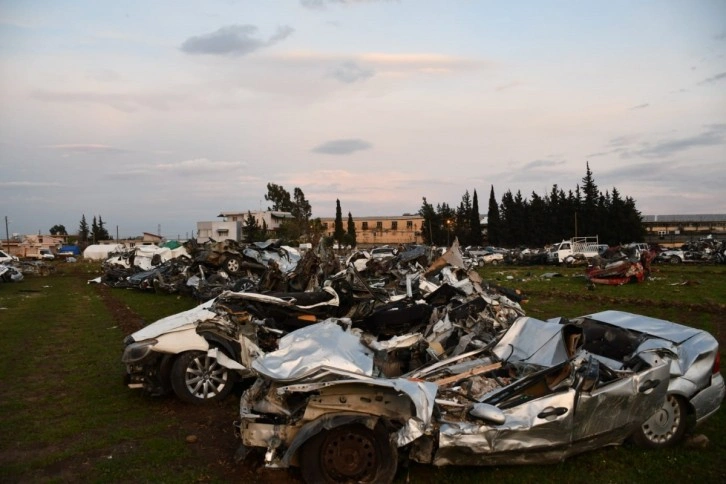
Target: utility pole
7,235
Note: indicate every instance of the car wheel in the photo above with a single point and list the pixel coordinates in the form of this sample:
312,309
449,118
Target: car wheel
233,264
198,378
666,427
481,263
349,453
675,259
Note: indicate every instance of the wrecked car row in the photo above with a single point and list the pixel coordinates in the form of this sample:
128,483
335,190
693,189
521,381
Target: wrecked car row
426,363
14,270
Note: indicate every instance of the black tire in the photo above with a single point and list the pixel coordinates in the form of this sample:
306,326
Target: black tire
197,378
233,264
666,427
675,260
349,453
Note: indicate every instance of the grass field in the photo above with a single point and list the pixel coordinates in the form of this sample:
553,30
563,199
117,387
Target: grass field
67,417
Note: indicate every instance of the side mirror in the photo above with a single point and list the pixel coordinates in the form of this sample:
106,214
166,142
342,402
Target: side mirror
488,413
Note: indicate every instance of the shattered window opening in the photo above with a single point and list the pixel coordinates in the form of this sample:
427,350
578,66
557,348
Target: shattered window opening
379,225
394,225
365,226
409,224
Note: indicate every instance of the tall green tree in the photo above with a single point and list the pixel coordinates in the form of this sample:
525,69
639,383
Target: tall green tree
589,215
94,230
102,232
338,232
301,208
463,220
252,229
83,231
494,222
431,225
351,235
477,238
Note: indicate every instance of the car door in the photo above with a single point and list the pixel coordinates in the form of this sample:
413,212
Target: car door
537,431
610,412
545,422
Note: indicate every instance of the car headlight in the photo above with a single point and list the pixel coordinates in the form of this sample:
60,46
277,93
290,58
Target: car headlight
138,351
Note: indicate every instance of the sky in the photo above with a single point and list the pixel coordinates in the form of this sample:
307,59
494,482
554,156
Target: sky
157,115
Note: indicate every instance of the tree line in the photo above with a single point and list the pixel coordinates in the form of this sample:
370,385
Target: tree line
539,219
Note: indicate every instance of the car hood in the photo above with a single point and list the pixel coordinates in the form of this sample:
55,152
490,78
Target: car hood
175,322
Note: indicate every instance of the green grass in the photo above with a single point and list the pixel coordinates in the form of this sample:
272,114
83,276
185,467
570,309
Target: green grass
65,413
67,417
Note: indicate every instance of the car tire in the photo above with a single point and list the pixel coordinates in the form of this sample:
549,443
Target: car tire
197,378
349,453
675,260
666,427
233,264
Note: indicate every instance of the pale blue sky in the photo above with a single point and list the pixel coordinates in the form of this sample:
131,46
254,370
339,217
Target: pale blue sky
167,113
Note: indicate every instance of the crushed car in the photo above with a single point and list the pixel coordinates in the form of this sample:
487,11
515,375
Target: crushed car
696,387
620,269
332,400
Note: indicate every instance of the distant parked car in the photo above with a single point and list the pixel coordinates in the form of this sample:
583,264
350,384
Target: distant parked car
46,254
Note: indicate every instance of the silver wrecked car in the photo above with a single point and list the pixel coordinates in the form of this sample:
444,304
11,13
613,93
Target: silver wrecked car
331,400
696,387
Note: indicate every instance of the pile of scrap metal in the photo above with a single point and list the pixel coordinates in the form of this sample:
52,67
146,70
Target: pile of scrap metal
206,270
15,270
620,269
327,401
10,273
451,310
706,251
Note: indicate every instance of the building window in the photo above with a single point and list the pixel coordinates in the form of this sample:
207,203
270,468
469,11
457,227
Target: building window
379,225
394,225
409,224
364,225
325,225
221,232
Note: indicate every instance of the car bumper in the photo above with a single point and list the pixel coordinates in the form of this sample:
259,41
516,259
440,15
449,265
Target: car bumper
708,401
150,374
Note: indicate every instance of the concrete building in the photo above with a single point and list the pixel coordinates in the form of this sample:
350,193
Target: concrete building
232,224
381,230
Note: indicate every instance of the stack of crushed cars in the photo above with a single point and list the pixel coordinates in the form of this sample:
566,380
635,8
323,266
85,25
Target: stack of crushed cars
206,270
15,270
450,307
705,251
620,265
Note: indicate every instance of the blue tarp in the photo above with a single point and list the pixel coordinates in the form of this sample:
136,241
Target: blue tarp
73,249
